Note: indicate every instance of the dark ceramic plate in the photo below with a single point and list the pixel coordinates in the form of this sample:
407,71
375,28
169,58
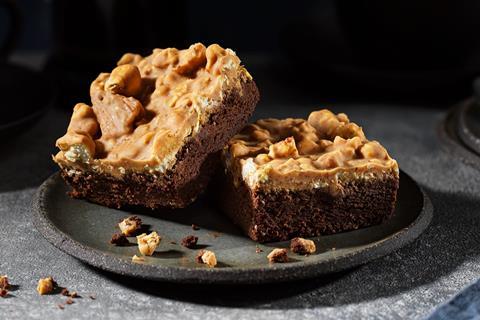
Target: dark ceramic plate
83,230
458,132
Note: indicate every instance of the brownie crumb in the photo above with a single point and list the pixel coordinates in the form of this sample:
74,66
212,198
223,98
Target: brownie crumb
198,257
4,284
119,239
189,241
67,293
60,306
278,255
137,259
195,227
69,301
92,296
130,226
173,242
302,246
207,257
258,250
3,293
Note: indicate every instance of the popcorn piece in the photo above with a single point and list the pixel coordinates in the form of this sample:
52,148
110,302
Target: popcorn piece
129,226
45,285
373,150
329,125
4,284
125,80
207,257
302,246
164,58
283,149
148,243
191,59
278,255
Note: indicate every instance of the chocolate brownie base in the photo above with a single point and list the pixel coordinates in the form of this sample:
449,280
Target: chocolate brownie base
190,175
282,215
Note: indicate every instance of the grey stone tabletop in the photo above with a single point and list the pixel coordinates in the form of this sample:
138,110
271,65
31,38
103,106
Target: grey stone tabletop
407,284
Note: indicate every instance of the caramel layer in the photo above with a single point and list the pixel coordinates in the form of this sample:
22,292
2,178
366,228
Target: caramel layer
144,110
316,153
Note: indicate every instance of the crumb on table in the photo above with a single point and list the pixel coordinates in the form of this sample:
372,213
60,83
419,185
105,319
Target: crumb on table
67,293
195,227
4,284
45,285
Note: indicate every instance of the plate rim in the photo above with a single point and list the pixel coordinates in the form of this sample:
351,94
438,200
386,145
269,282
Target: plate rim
243,275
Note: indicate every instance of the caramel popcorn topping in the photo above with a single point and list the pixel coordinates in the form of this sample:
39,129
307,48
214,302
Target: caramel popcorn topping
143,111
298,153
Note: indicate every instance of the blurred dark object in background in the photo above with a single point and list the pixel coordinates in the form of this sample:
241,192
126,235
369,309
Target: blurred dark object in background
90,36
25,94
298,52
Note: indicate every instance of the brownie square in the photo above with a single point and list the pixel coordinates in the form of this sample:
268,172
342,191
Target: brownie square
155,124
303,178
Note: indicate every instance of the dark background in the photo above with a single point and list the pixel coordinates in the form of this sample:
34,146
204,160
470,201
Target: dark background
297,51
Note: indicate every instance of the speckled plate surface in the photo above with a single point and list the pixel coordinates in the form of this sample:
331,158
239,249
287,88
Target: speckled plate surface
83,230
